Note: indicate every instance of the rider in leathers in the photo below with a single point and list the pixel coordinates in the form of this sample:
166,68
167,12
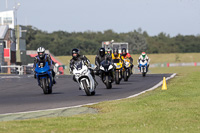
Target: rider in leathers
99,58
127,55
116,55
76,57
144,56
42,56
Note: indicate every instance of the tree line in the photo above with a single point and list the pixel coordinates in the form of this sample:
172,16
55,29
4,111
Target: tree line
62,42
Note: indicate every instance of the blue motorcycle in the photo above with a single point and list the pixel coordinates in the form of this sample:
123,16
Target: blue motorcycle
143,67
44,77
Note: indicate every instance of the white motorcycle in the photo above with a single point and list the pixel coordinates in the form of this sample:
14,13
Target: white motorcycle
84,78
143,67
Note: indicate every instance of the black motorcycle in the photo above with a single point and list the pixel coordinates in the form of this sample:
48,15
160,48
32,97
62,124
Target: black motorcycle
106,72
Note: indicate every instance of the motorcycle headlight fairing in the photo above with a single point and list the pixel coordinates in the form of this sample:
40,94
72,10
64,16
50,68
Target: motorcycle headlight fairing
85,71
110,67
77,74
118,66
101,68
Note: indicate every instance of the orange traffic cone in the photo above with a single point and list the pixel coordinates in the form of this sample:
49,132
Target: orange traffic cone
164,86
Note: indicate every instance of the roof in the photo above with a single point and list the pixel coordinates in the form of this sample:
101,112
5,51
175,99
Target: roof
3,31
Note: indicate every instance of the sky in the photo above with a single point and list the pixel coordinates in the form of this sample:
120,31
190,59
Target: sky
172,17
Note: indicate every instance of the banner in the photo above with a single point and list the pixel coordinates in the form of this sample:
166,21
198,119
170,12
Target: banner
7,18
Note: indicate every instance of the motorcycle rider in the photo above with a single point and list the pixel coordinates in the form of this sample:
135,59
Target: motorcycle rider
101,57
144,56
127,55
116,55
109,51
42,56
77,57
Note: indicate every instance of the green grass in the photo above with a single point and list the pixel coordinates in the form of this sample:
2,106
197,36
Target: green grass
155,58
175,110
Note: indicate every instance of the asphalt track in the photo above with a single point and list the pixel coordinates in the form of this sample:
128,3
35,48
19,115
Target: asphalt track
22,94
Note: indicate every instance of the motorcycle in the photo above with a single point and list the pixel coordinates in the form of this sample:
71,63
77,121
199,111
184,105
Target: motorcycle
143,67
44,77
127,69
84,78
106,70
118,70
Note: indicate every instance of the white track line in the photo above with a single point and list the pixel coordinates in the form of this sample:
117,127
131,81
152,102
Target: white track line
154,87
9,77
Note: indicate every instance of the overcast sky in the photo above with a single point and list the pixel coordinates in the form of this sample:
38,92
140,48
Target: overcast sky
154,16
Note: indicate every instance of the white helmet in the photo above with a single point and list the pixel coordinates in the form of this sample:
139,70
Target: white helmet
41,52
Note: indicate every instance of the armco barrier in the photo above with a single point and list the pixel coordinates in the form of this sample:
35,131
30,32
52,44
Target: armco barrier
175,64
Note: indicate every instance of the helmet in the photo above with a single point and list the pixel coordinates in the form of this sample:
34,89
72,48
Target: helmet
102,52
75,53
143,54
41,52
124,51
115,52
109,51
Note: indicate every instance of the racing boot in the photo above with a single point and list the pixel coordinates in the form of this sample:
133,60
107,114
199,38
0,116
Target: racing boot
93,75
54,82
95,82
34,75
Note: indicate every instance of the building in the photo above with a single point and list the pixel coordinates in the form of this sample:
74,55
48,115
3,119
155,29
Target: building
12,40
7,46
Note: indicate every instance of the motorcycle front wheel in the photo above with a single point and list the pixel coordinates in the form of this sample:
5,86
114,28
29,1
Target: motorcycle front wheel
87,91
117,80
49,88
44,85
126,75
108,84
143,73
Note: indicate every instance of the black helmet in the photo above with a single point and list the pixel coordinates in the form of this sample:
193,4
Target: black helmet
41,52
115,52
102,52
124,51
75,53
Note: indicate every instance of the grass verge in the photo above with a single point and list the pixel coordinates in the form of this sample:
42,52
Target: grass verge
175,110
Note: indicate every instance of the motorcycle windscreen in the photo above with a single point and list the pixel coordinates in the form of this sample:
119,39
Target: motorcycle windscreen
143,63
40,69
105,63
78,65
41,64
116,60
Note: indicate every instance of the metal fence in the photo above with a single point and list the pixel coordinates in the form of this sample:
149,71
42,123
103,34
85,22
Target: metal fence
16,69
24,69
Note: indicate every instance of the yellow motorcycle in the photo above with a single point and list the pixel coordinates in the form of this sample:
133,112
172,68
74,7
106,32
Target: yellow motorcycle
118,70
127,69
